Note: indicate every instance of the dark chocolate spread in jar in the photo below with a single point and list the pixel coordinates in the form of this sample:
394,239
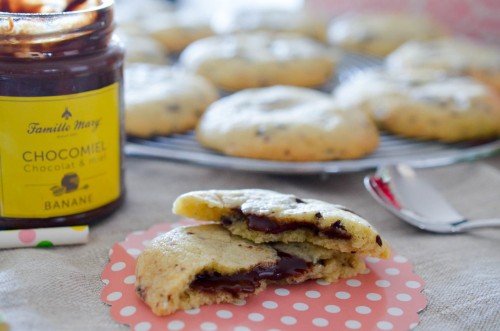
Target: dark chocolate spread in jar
61,113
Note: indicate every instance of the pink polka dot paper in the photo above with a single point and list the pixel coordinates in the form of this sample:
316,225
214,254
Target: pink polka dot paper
387,296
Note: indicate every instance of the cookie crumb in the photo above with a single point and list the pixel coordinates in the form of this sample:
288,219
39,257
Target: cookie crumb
141,292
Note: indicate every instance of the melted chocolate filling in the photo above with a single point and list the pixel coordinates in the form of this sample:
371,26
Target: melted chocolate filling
246,282
268,225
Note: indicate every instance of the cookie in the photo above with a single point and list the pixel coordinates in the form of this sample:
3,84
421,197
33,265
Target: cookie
162,101
131,12
176,30
285,123
188,267
268,216
271,20
424,104
451,56
379,34
236,62
141,48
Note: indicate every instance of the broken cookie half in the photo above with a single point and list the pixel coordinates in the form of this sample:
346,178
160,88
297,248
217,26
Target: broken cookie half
255,237
192,266
268,216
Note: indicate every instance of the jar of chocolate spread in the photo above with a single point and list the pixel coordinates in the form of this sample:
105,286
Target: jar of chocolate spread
61,110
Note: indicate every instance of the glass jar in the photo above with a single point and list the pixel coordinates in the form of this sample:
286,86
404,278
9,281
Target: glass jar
61,117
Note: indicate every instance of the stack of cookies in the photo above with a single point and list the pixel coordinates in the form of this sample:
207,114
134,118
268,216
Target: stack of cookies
268,65
380,33
444,89
272,68
424,104
432,85
255,238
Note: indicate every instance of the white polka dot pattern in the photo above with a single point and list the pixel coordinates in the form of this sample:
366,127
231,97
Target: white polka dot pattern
283,292
288,320
175,325
353,282
387,296
128,311
343,295
256,317
224,314
392,271
300,306
383,325
332,309
394,311
363,310
400,259
143,326
374,297
134,251
114,296
118,266
313,294
412,284
321,322
382,283
353,324
242,328
129,279
270,305
403,297
240,303
208,326
192,311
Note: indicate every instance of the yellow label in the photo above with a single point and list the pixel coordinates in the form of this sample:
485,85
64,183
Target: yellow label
59,155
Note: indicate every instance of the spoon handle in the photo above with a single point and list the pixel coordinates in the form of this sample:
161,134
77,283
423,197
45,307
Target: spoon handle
476,224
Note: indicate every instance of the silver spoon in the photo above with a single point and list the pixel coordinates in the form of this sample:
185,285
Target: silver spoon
400,191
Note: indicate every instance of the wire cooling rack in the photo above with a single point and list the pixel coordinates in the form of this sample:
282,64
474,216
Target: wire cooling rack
392,149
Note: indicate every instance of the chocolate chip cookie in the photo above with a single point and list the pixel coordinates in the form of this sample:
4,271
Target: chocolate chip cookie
286,123
236,62
379,34
424,104
198,265
161,101
273,20
450,56
268,216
